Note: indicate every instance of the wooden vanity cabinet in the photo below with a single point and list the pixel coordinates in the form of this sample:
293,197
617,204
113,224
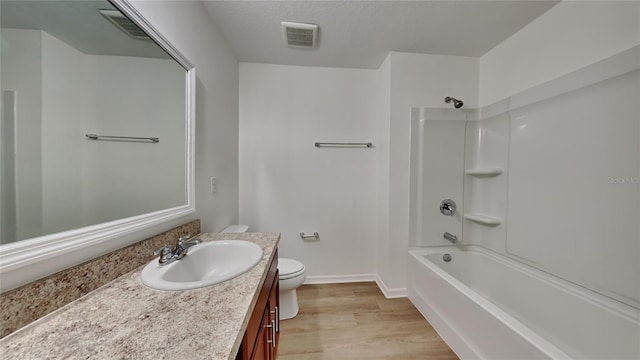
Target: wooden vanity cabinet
260,341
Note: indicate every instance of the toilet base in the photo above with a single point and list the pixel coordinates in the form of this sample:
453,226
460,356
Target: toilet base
288,304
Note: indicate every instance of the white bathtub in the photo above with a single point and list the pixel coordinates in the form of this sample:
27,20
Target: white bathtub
487,306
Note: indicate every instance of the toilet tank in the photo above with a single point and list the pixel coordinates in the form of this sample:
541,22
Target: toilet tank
236,229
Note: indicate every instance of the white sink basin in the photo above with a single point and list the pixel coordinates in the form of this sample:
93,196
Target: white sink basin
205,264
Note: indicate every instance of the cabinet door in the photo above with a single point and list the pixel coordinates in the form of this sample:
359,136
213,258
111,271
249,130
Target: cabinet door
262,349
274,314
260,341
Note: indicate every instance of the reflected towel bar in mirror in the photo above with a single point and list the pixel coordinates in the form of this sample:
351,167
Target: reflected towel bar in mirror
121,138
315,235
338,144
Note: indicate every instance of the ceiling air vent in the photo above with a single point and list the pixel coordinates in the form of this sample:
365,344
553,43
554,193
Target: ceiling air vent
123,23
300,35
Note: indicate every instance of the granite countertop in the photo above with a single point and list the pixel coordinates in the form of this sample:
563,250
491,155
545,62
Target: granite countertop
124,319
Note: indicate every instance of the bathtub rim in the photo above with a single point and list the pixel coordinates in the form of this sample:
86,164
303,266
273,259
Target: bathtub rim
553,351
619,308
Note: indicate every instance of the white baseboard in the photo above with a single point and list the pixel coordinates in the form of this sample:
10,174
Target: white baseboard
336,279
390,293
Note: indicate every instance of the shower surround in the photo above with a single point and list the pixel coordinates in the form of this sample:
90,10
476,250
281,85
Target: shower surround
548,180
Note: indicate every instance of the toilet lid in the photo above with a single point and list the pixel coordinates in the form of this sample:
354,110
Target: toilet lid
289,267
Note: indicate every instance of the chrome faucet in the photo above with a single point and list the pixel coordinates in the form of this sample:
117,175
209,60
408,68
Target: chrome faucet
169,255
184,243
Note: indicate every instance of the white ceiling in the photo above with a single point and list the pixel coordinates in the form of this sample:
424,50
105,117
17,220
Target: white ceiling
359,34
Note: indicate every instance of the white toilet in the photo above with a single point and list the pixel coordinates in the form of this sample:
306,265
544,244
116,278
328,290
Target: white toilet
292,275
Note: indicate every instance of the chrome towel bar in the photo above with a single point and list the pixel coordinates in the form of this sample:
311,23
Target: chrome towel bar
338,144
121,138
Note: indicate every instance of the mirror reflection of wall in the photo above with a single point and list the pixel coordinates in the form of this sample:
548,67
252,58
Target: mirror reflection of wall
67,71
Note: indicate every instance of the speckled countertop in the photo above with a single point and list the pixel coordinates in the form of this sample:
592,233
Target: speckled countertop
127,320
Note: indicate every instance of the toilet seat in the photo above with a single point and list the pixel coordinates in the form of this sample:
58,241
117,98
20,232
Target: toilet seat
290,268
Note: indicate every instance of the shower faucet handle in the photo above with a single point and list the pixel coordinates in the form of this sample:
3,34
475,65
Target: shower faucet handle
448,207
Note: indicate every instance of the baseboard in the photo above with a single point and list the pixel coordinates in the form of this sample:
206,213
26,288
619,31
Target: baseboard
390,293
336,279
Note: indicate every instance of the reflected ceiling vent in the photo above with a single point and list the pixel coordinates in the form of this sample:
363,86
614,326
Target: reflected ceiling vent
123,23
300,35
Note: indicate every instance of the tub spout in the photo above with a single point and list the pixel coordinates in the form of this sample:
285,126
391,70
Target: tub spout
450,237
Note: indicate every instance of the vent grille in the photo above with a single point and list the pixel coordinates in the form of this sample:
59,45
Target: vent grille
299,34
123,23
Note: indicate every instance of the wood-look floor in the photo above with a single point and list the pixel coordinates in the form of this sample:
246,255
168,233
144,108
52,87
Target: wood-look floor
356,321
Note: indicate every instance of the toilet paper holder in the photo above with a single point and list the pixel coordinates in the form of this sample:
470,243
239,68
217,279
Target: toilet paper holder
314,236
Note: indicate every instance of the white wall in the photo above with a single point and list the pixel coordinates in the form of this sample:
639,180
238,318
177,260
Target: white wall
290,186
417,80
123,101
569,36
187,25
85,182
382,175
64,109
7,167
22,53
285,109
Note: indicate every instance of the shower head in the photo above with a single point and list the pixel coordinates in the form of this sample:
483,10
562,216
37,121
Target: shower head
456,103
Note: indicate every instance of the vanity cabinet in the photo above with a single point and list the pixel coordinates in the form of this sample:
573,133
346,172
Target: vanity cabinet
260,341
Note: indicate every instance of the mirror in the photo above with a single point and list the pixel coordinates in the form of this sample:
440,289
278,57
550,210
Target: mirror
96,123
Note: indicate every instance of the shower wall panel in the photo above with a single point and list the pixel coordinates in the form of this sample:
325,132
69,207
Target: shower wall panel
437,172
486,148
574,186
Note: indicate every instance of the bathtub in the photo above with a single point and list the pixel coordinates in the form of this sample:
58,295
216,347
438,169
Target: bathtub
487,306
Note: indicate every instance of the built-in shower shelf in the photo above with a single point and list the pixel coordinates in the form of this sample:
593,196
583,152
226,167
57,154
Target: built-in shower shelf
484,172
483,219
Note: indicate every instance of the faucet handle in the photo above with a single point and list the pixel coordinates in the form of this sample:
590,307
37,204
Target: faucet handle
165,253
448,207
183,238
